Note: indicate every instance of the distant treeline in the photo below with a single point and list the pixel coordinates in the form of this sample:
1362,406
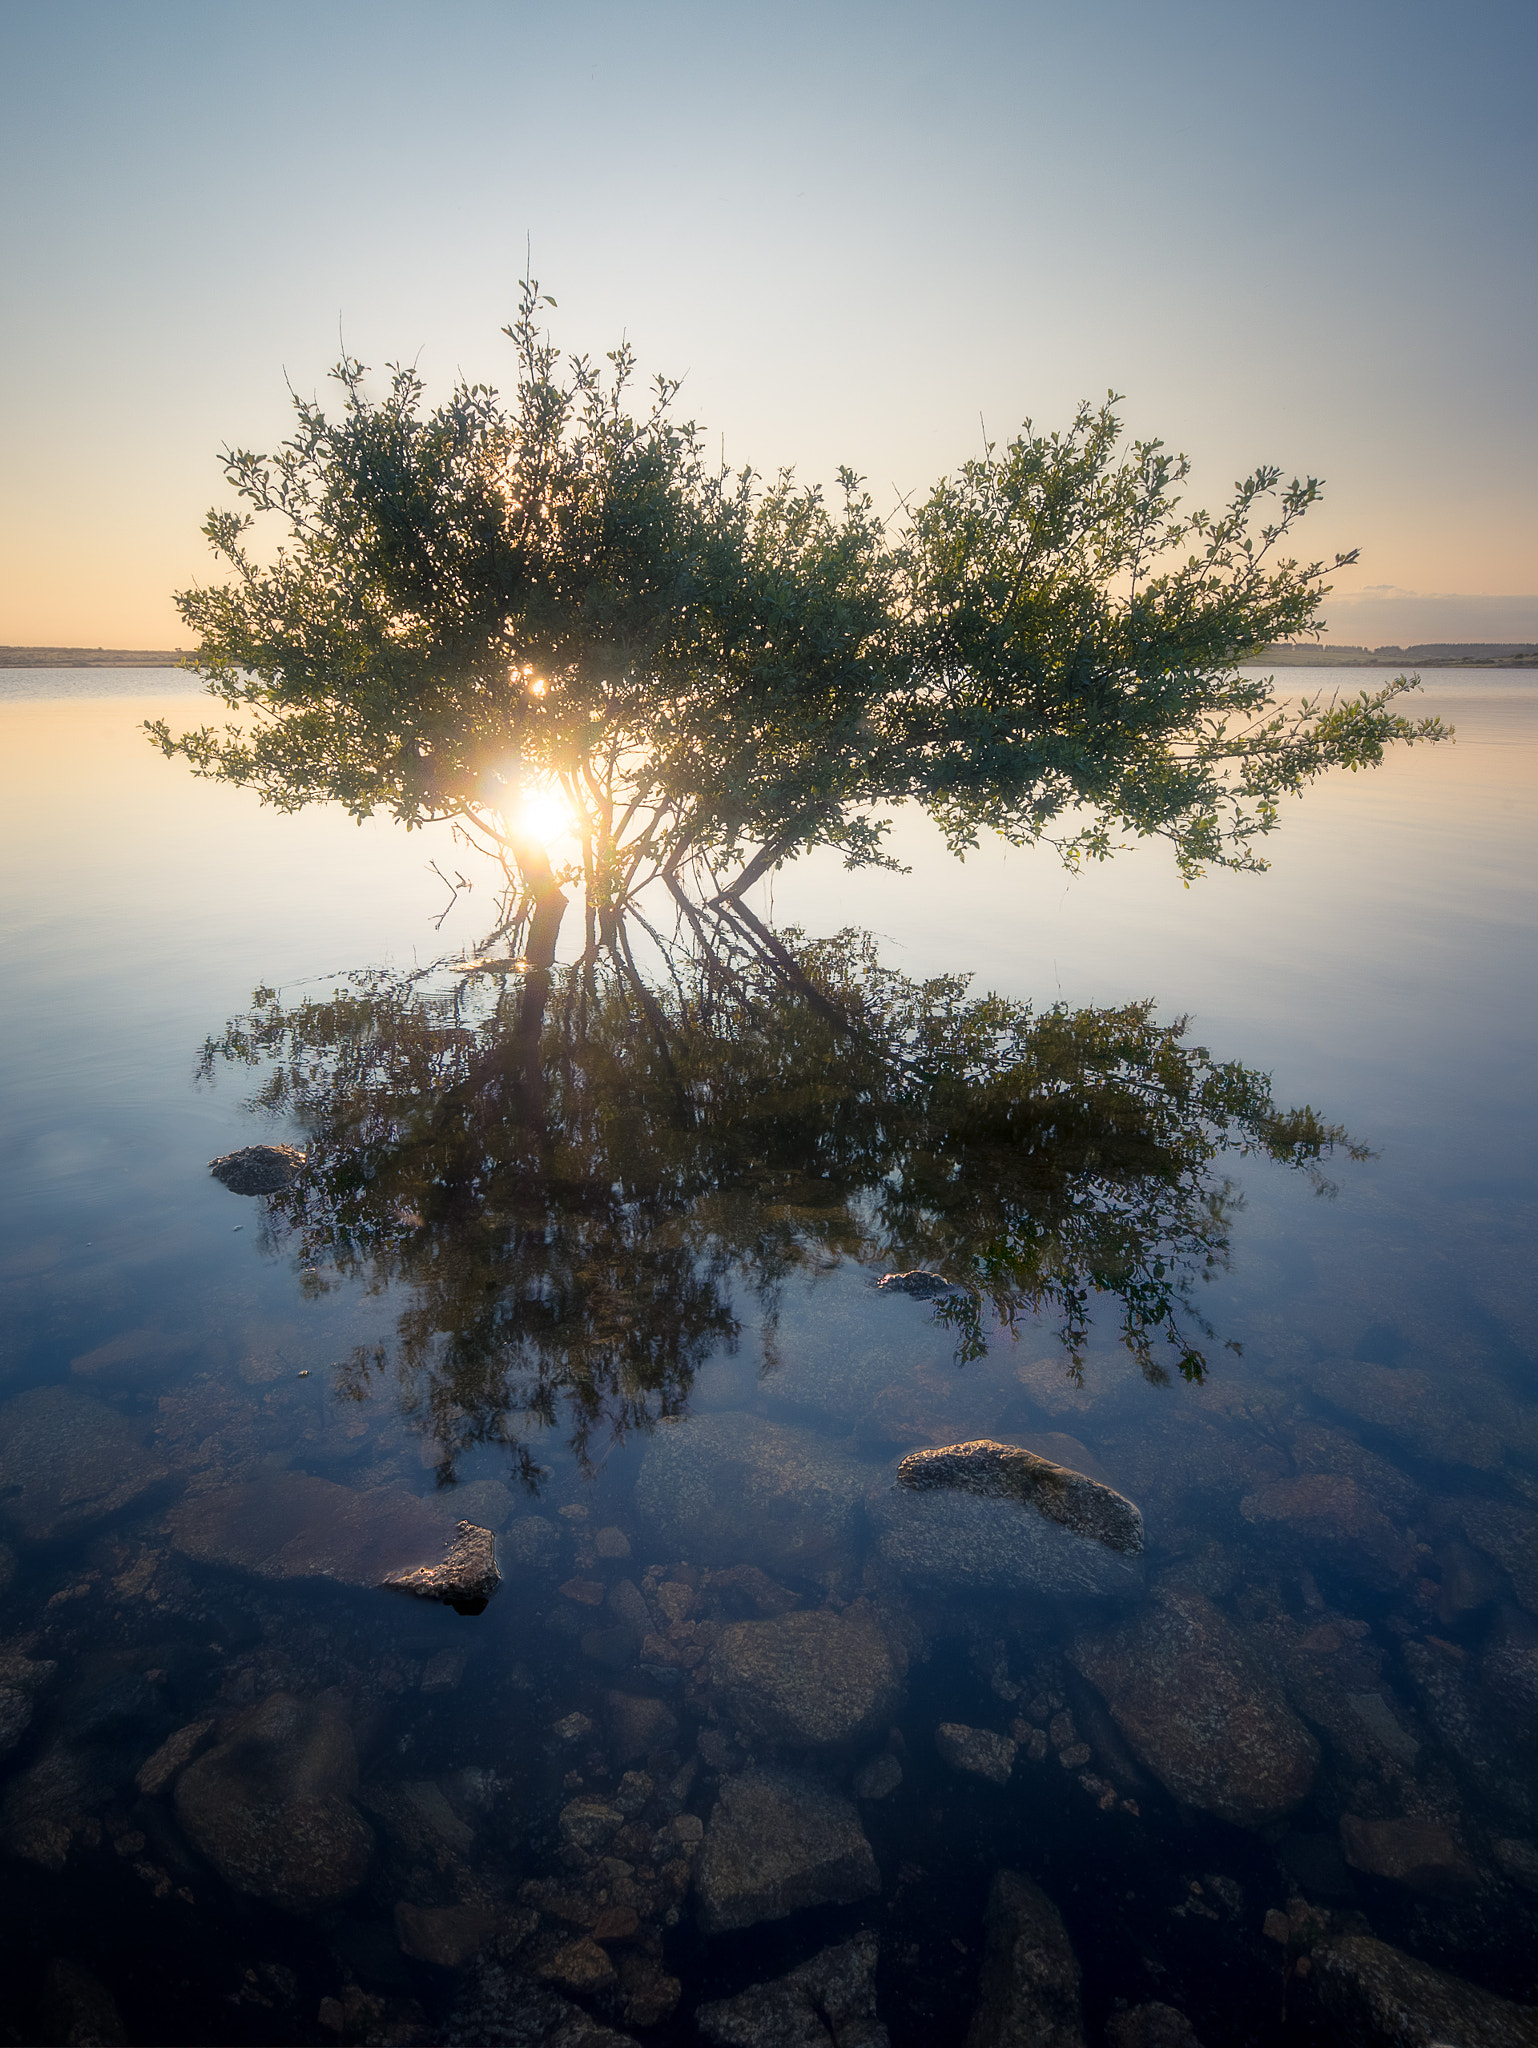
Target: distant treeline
1427,654
1285,654
92,657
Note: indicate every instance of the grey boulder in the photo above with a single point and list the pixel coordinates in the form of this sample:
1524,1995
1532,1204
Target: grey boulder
67,1461
1029,1993
257,1169
829,2002
779,1840
815,1680
1378,1997
733,1489
993,1517
271,1809
1200,1710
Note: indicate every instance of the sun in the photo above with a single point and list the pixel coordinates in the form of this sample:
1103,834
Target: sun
544,814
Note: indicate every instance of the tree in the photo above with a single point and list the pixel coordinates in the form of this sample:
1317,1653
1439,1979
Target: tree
477,602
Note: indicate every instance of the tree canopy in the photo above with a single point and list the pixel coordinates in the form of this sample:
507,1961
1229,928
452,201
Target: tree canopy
479,600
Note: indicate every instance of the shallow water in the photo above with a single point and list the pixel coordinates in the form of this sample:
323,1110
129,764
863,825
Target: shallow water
1352,1500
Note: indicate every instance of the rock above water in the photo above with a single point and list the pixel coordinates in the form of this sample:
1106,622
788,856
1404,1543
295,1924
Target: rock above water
271,1810
829,2002
978,1750
921,1286
777,1841
1416,1853
287,1525
465,1580
733,1489
1085,1507
1028,1996
812,1681
993,1517
1379,1997
67,1461
257,1169
1200,1710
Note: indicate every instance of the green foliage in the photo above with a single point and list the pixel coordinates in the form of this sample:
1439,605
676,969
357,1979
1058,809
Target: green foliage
573,1258
721,671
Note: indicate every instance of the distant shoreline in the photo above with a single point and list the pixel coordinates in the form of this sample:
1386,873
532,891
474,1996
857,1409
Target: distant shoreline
94,657
1301,654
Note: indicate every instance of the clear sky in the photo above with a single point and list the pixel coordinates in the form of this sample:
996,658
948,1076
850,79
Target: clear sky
1302,233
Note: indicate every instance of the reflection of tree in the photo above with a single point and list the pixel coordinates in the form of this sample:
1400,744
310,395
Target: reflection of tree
571,1187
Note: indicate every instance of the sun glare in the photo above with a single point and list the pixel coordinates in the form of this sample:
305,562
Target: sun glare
544,814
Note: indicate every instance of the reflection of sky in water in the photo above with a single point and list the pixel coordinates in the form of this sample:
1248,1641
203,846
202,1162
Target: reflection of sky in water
1384,971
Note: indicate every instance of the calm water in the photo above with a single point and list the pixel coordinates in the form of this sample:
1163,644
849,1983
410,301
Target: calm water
1347,1506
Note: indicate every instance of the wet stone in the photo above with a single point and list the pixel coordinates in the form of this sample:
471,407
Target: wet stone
732,1489
1417,1854
465,1580
502,2008
174,1754
638,1725
878,1779
258,1169
815,1680
1200,1710
288,1525
68,1461
1151,2026
530,1543
271,1809
989,1516
78,2009
1378,1997
920,1286
1029,1994
779,1840
1509,1534
446,1935
976,1750
829,2002
1331,1515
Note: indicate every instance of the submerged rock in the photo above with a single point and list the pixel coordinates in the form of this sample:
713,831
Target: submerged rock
67,1461
258,1169
829,2002
1199,1709
271,1808
446,1935
287,1525
816,1680
79,2009
991,1516
977,1750
174,1754
465,1580
1379,1997
1151,2026
1331,1514
502,2008
733,1489
1029,1994
779,1840
1415,1853
22,1678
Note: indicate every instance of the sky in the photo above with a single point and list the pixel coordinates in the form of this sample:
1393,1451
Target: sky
866,234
